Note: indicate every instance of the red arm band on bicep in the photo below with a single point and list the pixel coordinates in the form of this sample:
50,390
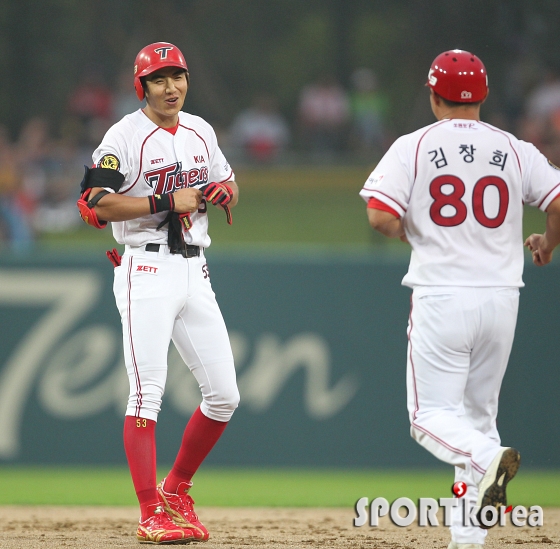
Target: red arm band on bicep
378,205
553,200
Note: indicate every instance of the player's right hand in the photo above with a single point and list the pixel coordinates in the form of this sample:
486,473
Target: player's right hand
540,257
187,200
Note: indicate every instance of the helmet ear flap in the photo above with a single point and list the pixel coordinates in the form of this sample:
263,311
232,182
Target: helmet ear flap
139,89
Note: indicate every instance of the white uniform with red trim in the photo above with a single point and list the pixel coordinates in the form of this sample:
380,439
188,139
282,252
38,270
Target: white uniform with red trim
459,186
163,296
154,161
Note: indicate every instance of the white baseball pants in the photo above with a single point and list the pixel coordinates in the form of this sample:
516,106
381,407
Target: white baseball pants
460,340
163,297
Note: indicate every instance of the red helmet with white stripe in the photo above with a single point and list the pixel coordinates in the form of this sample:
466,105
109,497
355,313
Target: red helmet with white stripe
460,76
154,57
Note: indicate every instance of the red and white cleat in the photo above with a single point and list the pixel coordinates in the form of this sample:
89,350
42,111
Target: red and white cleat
160,529
180,508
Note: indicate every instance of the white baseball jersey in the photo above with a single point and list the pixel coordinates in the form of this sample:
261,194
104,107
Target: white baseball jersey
460,186
154,161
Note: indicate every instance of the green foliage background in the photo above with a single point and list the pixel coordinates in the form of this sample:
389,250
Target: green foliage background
236,49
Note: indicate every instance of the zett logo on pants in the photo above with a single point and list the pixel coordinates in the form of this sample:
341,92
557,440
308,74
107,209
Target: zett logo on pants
146,269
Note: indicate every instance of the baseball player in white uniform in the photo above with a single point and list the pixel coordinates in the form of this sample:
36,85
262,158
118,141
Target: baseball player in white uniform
455,191
155,174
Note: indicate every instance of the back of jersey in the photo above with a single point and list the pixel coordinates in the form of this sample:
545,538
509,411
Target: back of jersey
464,218
459,186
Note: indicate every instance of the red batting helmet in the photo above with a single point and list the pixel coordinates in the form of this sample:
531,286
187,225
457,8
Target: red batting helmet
154,57
458,75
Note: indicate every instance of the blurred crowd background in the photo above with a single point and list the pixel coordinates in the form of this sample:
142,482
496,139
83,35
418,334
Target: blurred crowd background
283,82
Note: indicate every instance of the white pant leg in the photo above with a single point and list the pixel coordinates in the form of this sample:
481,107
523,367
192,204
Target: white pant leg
447,325
149,294
201,337
489,359
460,533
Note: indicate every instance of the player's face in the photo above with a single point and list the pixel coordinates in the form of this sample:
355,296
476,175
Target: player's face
165,94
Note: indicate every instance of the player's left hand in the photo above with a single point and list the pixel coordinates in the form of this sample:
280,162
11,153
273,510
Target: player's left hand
540,257
219,194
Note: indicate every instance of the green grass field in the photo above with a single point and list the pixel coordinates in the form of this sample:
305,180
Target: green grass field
287,207
257,487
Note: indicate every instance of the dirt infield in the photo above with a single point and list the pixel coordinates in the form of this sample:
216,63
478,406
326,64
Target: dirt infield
107,527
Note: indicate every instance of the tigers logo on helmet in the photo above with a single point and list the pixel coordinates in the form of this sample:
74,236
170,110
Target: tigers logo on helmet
163,51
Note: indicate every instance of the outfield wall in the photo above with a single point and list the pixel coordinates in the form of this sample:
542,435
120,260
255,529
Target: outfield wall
320,348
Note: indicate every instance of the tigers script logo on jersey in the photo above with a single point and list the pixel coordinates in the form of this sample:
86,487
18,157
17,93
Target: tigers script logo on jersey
168,179
109,161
